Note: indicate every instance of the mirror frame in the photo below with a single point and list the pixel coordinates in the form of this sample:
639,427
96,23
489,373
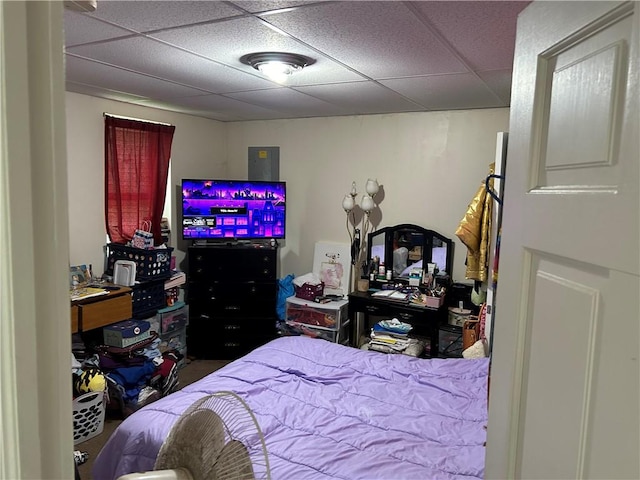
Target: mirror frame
428,237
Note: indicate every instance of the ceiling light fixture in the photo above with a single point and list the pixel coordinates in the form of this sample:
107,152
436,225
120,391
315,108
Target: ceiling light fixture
277,65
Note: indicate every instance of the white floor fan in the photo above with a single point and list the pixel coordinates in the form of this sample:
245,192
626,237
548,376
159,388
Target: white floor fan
216,438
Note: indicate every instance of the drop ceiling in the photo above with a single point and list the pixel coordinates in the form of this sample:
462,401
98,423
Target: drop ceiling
370,57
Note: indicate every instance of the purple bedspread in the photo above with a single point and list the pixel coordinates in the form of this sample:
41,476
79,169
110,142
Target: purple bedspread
330,411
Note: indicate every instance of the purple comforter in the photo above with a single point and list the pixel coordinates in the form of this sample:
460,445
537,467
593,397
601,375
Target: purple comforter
330,411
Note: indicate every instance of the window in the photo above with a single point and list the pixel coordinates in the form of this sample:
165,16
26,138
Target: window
137,157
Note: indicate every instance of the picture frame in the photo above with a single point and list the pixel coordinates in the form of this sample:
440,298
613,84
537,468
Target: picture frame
79,275
332,263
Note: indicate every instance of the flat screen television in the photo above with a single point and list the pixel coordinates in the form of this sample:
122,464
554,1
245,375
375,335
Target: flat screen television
233,209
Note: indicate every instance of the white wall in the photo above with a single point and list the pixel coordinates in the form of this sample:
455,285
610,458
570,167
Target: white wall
198,149
429,165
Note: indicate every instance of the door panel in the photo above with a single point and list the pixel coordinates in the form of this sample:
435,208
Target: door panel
565,378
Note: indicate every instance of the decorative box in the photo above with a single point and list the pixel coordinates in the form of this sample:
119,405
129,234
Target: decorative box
124,334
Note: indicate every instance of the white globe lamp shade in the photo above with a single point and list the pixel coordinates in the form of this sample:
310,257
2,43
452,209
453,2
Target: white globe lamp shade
367,203
348,203
372,187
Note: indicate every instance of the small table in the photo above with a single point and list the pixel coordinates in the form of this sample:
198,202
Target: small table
425,320
94,312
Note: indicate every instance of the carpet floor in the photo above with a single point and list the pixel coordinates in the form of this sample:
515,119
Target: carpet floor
192,371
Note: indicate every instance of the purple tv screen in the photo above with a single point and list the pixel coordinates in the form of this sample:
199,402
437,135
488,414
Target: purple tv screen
233,209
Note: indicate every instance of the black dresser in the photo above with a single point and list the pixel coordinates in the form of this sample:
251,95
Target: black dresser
232,295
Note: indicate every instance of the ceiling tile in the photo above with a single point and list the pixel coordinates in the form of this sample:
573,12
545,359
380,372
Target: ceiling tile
453,91
378,39
97,74
470,27
362,97
143,16
228,41
155,58
102,92
269,5
500,82
424,55
86,29
291,102
229,106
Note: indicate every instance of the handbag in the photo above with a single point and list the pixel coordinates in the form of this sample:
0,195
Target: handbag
143,238
470,332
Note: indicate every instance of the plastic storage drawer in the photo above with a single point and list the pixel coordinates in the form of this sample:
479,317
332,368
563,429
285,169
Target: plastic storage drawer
326,315
336,336
175,317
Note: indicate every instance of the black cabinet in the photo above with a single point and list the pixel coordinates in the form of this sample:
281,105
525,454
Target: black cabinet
232,295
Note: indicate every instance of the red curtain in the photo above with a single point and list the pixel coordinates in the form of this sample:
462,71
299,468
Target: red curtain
136,167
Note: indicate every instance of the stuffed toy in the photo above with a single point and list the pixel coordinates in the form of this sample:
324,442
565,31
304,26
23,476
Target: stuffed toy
90,380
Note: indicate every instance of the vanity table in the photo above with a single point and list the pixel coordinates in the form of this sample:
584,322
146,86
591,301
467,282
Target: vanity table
426,321
405,250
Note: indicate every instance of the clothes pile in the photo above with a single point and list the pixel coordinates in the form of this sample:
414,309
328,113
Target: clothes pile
140,374
392,336
133,376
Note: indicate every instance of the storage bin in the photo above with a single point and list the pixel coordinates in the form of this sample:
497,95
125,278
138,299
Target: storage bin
150,264
457,316
174,340
336,336
327,315
434,302
308,291
173,318
88,416
147,298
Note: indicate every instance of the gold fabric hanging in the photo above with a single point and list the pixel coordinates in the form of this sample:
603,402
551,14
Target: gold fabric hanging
475,232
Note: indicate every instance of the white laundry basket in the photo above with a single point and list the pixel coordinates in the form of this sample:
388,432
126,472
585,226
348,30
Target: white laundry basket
88,416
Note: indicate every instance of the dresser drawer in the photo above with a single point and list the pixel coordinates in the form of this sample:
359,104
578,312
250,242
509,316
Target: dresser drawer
233,298
233,327
105,312
216,338
75,319
234,264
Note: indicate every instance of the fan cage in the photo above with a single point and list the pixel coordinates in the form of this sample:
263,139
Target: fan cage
239,425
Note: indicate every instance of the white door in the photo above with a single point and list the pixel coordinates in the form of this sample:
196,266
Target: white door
564,394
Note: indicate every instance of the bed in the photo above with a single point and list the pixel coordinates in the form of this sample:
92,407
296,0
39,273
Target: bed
330,411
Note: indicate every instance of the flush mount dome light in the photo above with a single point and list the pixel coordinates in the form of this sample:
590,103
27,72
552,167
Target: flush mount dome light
276,65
